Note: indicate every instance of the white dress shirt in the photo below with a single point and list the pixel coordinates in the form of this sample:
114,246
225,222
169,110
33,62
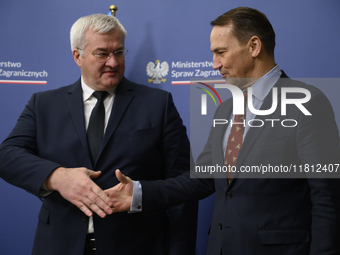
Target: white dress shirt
89,103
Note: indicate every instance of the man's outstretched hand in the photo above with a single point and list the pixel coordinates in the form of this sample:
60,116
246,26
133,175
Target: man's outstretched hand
121,194
76,186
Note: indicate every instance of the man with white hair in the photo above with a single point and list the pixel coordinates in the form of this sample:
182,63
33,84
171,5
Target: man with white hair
68,142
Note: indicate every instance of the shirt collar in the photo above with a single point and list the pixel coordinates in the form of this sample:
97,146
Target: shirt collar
262,87
88,91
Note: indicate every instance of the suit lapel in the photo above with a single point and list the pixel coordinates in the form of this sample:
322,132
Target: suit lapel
253,133
76,107
223,113
122,100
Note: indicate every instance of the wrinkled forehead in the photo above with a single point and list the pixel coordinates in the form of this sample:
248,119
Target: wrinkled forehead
114,36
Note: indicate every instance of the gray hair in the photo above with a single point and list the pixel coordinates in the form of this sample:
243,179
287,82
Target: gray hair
99,23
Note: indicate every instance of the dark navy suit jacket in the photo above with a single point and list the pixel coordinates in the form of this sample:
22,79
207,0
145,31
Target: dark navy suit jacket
273,214
145,138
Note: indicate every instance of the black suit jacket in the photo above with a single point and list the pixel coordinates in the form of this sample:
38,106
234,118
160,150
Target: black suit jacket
145,138
273,214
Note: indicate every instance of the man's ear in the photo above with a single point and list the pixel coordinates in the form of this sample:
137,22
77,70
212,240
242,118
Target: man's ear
77,57
255,46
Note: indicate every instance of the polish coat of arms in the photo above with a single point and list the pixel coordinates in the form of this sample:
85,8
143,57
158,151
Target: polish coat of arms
157,71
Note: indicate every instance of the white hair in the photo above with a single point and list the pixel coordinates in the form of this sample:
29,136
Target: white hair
99,23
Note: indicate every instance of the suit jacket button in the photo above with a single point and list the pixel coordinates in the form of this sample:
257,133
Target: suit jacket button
220,225
84,218
229,195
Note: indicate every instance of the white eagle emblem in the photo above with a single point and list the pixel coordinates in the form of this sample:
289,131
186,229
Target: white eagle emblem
157,71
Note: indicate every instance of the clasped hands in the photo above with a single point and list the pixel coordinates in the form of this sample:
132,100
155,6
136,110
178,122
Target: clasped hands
76,186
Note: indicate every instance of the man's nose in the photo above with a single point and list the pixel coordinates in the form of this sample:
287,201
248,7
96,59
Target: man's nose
216,62
112,61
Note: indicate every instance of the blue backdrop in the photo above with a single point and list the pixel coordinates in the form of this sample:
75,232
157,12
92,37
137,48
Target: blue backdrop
35,55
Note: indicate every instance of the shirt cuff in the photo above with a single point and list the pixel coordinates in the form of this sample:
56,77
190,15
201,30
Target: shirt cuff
44,192
136,203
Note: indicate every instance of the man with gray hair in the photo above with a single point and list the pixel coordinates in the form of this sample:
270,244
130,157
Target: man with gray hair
68,142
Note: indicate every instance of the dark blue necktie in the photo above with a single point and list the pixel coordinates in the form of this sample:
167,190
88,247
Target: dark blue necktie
95,129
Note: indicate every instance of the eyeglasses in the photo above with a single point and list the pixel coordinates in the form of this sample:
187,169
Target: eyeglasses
105,56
